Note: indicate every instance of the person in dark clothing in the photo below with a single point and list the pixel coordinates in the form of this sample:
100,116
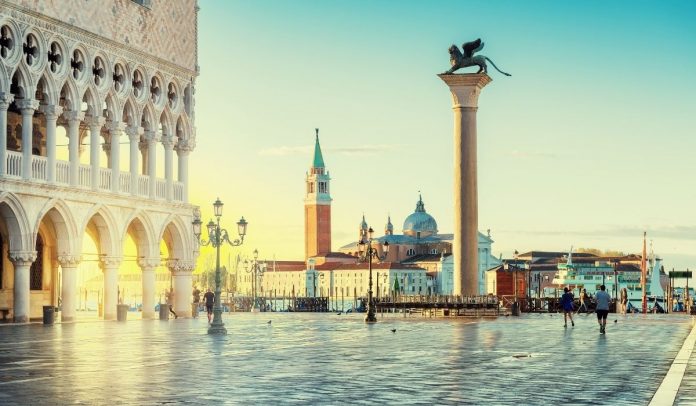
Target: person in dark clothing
170,302
209,301
567,303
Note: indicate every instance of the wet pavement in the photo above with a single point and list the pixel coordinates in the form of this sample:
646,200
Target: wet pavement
306,358
687,391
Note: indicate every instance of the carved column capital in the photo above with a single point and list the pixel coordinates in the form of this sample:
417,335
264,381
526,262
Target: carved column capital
74,115
185,146
110,262
168,141
69,261
95,122
20,258
134,133
180,266
151,137
148,264
27,106
5,100
52,112
465,88
116,126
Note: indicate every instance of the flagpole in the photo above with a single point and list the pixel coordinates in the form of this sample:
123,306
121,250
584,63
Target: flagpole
644,275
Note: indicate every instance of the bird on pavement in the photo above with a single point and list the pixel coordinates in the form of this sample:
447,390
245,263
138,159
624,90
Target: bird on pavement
615,320
269,321
393,330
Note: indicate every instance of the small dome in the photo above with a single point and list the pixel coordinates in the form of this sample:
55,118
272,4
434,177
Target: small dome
420,223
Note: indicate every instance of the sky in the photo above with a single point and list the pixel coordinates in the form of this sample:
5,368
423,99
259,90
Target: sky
589,142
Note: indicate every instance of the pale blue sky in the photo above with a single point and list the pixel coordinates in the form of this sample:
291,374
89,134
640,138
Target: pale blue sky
588,143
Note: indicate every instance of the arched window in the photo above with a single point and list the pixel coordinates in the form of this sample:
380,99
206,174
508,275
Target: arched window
410,252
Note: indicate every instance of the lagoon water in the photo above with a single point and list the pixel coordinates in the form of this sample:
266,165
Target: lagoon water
325,358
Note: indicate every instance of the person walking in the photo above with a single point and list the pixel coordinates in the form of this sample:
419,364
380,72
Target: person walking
567,304
170,302
209,301
603,299
583,299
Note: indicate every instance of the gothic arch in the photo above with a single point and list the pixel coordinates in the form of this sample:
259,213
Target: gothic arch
25,83
166,122
70,95
139,223
148,121
104,230
47,86
62,225
176,235
130,115
91,98
4,80
19,232
114,109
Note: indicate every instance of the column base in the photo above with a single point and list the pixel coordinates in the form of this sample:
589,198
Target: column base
217,329
67,319
110,316
20,319
149,315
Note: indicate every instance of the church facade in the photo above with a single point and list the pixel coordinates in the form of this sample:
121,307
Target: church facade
91,94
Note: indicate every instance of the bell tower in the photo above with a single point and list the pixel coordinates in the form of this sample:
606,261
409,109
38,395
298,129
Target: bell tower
317,207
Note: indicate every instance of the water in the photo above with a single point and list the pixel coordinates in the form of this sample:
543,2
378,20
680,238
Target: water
309,358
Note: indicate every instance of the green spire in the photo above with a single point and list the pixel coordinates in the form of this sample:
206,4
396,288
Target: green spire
318,159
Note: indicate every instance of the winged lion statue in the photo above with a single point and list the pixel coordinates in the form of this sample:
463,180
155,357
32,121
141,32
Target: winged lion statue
460,60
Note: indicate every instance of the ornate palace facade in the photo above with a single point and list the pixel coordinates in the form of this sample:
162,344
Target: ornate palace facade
91,93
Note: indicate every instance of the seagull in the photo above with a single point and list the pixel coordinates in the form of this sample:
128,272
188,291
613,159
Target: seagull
393,330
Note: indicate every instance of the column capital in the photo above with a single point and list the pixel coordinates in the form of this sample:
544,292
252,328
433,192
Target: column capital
148,264
151,136
52,112
22,257
116,126
5,100
73,115
465,88
180,266
93,121
184,146
28,106
134,133
168,141
110,262
69,261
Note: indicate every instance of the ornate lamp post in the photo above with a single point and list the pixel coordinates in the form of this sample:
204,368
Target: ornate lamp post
255,271
367,251
216,237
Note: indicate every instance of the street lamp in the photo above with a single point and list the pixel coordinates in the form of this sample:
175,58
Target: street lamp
367,251
255,271
216,237
524,267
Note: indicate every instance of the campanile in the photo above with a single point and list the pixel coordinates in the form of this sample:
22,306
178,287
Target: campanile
317,207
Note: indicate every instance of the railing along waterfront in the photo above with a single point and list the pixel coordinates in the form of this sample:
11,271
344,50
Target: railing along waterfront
39,173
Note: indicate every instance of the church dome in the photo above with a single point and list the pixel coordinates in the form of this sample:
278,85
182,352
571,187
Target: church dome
420,223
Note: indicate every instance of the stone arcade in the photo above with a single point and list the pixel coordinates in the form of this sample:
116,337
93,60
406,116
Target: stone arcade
85,75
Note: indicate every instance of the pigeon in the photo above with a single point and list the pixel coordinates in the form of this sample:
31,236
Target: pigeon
339,313
393,330
269,321
615,320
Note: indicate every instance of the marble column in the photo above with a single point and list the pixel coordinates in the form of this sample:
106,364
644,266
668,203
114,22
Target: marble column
28,107
183,148
115,130
152,138
148,266
110,267
74,119
168,142
134,134
183,284
68,293
5,101
95,126
52,113
22,261
465,89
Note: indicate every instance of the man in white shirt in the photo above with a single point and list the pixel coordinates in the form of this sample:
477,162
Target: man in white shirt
603,299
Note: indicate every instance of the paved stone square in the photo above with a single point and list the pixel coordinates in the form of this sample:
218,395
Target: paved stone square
337,359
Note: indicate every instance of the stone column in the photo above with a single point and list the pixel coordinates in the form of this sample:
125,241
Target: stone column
134,134
5,101
183,148
168,142
27,106
52,113
22,261
74,119
148,266
69,264
110,267
183,285
95,126
152,138
465,90
115,130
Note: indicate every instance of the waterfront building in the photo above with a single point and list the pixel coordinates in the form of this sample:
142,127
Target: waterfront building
92,96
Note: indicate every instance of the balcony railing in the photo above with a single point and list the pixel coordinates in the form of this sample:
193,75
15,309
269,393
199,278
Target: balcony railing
39,172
